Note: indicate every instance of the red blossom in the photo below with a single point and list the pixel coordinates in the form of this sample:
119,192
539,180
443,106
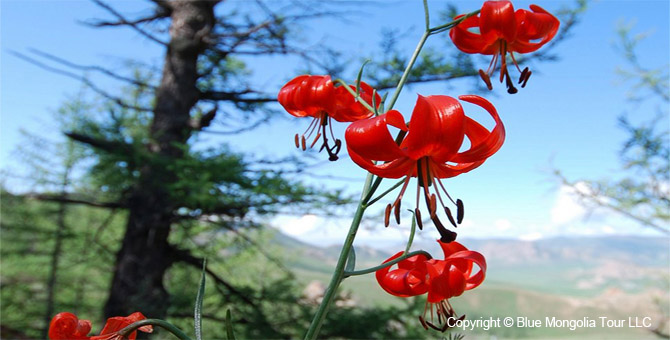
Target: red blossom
66,326
430,150
502,30
441,279
317,97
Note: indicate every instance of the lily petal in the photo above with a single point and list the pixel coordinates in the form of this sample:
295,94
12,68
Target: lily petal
483,143
497,20
66,326
436,129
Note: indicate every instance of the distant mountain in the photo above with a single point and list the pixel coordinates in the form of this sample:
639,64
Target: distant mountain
644,251
565,265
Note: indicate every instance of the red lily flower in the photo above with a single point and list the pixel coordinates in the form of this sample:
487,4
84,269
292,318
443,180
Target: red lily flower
66,326
441,279
117,323
502,30
317,97
430,150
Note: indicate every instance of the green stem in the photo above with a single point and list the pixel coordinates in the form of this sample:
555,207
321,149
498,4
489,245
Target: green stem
338,274
442,28
385,193
411,233
405,75
387,264
356,95
125,332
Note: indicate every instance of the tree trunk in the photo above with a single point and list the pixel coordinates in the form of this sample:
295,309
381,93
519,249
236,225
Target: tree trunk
145,253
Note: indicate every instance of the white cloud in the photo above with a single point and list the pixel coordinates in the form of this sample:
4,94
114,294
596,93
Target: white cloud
534,236
502,224
567,206
296,226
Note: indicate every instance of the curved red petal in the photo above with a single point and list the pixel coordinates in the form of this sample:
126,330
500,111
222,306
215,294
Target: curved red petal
451,247
307,95
117,323
444,284
369,140
443,170
470,42
403,281
497,20
347,109
532,26
436,129
66,326
474,257
483,143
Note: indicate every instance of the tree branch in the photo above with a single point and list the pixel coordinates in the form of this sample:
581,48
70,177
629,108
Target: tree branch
84,80
91,68
106,145
61,199
235,96
133,24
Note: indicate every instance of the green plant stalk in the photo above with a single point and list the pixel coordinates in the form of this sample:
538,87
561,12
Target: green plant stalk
125,332
408,69
386,264
338,274
357,96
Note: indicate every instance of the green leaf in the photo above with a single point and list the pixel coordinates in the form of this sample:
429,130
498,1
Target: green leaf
198,302
358,78
229,326
351,261
411,234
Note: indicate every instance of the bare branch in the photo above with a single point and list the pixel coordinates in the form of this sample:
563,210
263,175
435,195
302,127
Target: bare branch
133,24
110,146
84,80
595,199
91,68
61,199
236,96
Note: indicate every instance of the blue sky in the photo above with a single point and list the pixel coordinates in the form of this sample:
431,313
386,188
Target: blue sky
565,118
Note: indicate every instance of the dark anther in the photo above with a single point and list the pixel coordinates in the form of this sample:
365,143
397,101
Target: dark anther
304,145
510,86
297,141
450,217
460,211
387,215
485,77
423,322
524,75
338,146
525,80
417,216
446,235
396,212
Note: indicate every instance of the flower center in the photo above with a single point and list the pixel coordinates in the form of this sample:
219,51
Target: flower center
320,124
446,316
504,73
427,179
